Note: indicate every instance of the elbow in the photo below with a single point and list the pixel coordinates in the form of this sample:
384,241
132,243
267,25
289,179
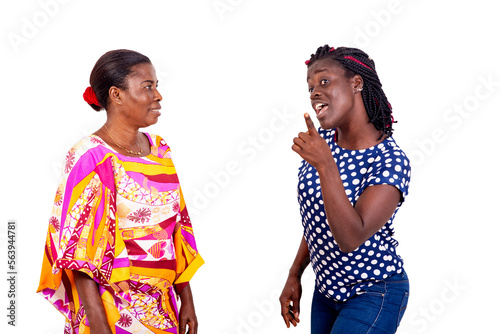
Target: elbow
347,250
348,247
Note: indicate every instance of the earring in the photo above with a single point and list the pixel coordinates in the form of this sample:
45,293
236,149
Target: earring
359,89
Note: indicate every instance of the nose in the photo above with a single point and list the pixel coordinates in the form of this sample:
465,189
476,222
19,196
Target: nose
314,93
158,96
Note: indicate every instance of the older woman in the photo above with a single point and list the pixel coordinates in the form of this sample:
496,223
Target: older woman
120,247
352,181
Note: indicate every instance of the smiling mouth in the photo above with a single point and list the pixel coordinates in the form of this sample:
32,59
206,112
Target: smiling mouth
319,107
156,111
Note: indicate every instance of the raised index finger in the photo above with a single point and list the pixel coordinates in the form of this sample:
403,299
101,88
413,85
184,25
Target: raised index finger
311,129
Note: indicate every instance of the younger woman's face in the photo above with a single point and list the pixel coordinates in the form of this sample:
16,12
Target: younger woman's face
331,93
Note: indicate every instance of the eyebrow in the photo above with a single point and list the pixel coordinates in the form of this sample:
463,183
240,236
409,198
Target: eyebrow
151,81
318,71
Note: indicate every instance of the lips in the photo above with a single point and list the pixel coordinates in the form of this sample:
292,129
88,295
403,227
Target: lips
319,107
156,111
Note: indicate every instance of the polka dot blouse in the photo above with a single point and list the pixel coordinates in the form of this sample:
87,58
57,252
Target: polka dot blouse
341,275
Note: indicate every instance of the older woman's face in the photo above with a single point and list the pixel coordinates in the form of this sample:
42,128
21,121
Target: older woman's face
141,99
331,93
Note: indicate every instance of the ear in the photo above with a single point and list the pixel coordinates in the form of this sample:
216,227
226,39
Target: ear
357,83
115,95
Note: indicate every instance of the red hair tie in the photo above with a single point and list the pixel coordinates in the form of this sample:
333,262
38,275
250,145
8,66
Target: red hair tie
90,97
392,122
357,61
331,50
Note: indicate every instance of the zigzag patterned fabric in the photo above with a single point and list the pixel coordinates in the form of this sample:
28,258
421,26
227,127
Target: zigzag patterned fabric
123,221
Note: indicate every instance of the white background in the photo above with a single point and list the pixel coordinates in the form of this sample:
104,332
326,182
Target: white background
232,76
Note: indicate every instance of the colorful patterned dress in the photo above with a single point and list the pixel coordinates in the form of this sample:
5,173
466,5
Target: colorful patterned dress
123,221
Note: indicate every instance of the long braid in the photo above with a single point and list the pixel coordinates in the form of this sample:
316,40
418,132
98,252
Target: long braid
355,61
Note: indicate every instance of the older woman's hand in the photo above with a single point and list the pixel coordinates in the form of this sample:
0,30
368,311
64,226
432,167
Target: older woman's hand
187,314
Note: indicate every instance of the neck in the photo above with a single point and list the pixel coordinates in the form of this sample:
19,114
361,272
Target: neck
359,140
359,133
124,139
124,135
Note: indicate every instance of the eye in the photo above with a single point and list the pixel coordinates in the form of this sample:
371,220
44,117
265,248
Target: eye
310,90
150,87
324,82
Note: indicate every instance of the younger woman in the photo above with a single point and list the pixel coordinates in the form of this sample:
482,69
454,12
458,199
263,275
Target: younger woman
352,181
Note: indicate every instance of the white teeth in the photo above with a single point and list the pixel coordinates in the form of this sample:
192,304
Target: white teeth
319,106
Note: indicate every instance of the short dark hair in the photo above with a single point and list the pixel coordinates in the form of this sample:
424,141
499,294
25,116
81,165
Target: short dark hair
112,69
355,61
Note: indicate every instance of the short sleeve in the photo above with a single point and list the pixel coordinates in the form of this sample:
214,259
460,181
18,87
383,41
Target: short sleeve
391,167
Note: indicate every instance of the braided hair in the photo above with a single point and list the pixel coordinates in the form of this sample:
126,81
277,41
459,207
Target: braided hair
355,61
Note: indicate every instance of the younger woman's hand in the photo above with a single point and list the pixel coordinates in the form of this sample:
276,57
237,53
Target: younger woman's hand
312,147
290,301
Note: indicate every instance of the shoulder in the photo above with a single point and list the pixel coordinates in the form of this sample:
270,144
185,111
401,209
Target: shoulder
88,151
159,146
391,166
156,140
389,149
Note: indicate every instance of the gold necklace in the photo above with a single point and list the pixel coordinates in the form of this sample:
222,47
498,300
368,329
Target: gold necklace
123,148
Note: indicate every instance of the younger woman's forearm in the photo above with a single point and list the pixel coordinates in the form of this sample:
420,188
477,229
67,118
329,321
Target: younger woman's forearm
301,260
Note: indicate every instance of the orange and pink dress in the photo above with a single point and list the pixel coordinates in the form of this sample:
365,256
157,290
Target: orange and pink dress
123,221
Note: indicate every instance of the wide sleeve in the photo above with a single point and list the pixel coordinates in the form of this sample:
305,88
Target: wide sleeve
188,259
186,252
82,235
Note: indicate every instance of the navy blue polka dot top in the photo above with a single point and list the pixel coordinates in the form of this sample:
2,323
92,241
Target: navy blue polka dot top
342,275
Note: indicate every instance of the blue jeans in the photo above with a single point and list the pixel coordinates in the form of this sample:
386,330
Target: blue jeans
377,311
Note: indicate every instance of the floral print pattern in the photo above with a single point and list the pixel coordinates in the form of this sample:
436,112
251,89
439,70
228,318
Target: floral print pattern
140,216
123,221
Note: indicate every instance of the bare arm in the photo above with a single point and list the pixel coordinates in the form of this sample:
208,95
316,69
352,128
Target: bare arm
92,303
187,314
301,260
293,290
350,226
